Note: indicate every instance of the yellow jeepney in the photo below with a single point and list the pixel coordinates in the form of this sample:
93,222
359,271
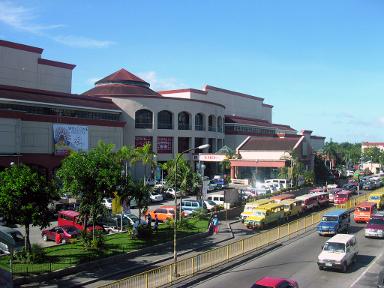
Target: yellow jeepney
265,215
378,198
292,207
251,206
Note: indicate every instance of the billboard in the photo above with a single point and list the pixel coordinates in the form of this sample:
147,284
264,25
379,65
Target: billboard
67,138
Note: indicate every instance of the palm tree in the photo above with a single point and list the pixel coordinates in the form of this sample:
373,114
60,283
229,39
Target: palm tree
140,191
145,155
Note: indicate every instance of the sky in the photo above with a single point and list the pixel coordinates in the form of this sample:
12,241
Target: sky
319,63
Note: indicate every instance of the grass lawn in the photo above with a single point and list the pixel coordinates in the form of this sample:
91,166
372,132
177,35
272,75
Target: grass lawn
62,256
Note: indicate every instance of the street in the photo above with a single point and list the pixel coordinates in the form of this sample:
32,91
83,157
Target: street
297,260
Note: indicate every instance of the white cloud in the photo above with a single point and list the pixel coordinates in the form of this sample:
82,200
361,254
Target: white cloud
22,18
93,80
26,19
381,120
82,42
160,83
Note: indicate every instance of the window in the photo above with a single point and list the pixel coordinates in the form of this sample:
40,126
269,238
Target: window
199,122
211,123
183,121
183,144
143,119
164,120
140,141
164,145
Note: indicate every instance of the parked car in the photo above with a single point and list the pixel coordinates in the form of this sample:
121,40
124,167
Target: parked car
210,205
132,219
13,237
112,224
189,206
67,233
107,202
171,193
72,218
164,213
274,282
351,187
155,197
375,226
339,252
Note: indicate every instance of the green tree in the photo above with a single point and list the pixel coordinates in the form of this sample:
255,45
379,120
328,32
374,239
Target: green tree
140,191
89,177
24,198
146,156
126,157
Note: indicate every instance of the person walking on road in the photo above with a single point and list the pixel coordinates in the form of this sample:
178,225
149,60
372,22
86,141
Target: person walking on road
215,223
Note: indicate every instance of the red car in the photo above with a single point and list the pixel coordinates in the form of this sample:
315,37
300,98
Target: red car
66,232
274,282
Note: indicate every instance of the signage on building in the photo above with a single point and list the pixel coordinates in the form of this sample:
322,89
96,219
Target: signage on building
140,141
69,138
164,144
211,157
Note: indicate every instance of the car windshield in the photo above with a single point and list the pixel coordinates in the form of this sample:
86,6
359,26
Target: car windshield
334,247
259,213
374,198
210,202
377,221
71,230
363,209
329,218
342,196
134,218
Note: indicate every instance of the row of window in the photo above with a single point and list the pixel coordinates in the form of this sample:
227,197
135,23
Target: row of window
234,128
144,120
165,144
59,112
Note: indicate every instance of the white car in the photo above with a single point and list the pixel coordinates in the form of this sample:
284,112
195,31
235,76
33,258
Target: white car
132,219
210,205
171,192
107,202
155,197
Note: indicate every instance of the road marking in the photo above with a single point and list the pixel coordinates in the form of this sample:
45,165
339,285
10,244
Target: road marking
366,270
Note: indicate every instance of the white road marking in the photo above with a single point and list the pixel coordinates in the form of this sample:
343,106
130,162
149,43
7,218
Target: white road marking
366,270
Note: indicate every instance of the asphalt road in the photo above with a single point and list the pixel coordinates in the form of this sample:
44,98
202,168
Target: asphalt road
297,260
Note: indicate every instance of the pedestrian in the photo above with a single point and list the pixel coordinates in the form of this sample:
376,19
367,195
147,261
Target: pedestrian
58,238
156,223
135,232
149,220
215,222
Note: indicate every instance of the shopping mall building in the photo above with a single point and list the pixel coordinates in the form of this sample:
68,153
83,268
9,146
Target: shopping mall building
41,121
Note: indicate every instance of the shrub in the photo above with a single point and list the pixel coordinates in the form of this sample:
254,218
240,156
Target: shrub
37,255
144,231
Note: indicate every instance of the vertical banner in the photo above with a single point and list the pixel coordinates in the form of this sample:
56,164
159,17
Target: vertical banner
117,208
67,138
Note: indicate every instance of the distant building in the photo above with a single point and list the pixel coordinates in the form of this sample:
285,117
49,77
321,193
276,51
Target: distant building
366,145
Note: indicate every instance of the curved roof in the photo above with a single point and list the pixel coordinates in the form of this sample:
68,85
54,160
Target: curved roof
121,83
122,76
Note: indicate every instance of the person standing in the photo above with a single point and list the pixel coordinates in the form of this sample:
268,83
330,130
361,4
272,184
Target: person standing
156,223
149,220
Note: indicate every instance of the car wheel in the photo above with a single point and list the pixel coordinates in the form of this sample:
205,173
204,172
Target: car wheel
63,241
321,268
344,268
45,237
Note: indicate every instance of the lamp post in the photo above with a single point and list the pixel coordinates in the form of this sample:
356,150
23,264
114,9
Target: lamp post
175,222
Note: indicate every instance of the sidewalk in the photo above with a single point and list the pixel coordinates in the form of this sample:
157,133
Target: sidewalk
94,277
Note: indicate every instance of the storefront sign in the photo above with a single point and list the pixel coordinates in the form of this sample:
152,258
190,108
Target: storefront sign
211,157
164,144
69,138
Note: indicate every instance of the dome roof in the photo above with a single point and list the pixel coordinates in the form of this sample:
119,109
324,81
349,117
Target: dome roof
121,83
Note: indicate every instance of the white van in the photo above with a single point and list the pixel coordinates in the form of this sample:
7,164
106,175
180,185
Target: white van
281,183
339,252
217,198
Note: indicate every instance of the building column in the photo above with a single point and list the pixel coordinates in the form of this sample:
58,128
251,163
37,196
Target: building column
233,175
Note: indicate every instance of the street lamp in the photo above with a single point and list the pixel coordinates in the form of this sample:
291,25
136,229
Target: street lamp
175,222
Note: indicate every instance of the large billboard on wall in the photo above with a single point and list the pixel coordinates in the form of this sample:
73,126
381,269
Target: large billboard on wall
69,138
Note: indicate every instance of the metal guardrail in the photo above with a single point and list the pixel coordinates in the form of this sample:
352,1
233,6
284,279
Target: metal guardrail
188,267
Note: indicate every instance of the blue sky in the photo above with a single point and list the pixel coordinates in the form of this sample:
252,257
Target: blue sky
320,63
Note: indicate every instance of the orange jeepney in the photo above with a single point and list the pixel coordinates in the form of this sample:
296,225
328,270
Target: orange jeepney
364,211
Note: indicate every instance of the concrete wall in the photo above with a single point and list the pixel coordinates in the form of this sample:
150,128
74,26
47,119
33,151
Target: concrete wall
131,105
263,155
19,136
21,68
